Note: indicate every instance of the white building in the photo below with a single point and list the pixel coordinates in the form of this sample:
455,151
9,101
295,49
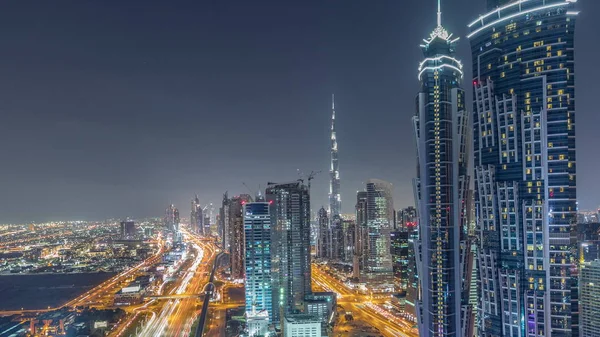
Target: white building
258,324
301,326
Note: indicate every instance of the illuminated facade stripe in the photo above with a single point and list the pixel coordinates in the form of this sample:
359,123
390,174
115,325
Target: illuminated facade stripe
442,250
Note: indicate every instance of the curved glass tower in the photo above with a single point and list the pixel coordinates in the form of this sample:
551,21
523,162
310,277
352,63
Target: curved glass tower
525,167
442,138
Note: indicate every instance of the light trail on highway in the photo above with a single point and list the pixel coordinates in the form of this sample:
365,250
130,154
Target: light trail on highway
362,307
176,316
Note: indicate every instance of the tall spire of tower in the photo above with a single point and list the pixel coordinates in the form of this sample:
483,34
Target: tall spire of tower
335,202
439,13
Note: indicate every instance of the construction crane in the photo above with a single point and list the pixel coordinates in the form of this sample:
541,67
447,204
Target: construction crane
249,190
309,178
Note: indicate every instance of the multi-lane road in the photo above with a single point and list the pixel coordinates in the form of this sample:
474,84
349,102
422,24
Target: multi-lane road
362,307
175,317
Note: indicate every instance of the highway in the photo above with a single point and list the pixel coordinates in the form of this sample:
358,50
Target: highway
174,317
362,307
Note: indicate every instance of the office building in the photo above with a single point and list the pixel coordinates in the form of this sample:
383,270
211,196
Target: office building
290,246
361,236
378,271
348,240
407,217
335,199
196,216
301,325
235,229
589,295
172,221
223,226
323,235
258,286
442,132
127,230
322,305
525,167
400,257
337,239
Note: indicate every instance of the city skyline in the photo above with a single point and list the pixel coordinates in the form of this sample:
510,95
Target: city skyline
66,109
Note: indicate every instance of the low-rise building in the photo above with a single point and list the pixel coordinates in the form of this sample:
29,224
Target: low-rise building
301,325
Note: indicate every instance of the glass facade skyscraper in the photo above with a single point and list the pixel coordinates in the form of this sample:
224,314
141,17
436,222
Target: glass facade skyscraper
290,246
257,265
380,218
525,171
442,252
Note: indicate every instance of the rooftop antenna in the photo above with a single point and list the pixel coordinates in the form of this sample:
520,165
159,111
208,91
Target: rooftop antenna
439,13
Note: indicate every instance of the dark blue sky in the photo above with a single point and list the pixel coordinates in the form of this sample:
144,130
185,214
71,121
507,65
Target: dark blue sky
116,108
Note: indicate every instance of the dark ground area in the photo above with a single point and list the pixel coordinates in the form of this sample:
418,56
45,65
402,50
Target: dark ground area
41,291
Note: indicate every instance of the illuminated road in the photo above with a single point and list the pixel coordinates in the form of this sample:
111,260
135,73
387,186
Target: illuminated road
363,308
175,317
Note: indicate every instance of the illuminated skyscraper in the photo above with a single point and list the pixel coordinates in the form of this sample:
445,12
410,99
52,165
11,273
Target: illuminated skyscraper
235,229
223,226
127,230
196,216
172,219
290,246
380,218
442,139
323,235
258,286
525,167
361,236
335,199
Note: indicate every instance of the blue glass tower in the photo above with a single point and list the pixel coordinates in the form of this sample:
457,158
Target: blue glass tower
257,230
441,191
525,167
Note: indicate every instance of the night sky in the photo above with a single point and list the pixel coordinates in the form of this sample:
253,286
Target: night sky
117,108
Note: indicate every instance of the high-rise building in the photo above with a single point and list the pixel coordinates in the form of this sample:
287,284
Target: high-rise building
235,229
525,167
258,286
322,305
323,235
361,245
223,226
400,257
378,271
335,199
442,143
127,230
589,295
413,291
290,246
348,240
196,216
407,217
172,221
336,251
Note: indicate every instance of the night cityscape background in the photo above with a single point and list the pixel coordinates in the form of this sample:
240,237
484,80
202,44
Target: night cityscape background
299,169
